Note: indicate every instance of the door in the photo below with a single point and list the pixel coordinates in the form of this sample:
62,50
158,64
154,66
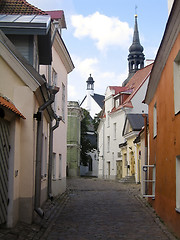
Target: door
4,159
132,164
109,169
119,169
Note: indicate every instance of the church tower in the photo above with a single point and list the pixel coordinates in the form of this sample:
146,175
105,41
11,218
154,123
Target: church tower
136,56
90,85
89,92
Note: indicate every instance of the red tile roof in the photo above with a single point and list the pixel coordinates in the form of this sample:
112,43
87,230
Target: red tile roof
117,89
55,15
14,7
7,104
139,77
134,85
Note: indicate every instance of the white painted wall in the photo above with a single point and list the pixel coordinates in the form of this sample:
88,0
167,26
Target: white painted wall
105,131
91,106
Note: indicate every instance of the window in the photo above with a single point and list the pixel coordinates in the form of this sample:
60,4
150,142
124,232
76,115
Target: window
116,103
155,121
54,77
148,183
108,119
178,184
108,143
54,83
54,166
60,166
63,101
177,84
114,126
112,160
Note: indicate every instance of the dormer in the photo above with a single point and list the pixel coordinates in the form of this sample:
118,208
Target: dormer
120,98
30,34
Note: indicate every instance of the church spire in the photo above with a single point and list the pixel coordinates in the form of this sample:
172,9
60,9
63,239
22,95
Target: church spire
136,55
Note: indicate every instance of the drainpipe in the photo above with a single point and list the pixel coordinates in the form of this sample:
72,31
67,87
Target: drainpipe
39,118
52,128
103,158
146,150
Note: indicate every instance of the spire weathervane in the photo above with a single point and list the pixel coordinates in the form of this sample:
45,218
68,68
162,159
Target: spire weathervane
136,10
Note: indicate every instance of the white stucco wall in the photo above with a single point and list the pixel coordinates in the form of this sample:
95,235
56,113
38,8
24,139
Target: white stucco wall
60,133
90,105
105,131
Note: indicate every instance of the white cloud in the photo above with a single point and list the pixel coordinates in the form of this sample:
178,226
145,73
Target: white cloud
85,66
106,31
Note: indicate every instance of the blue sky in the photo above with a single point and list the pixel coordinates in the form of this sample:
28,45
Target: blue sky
99,33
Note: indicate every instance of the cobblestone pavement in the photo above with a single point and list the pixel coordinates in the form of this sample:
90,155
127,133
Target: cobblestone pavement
94,209
106,210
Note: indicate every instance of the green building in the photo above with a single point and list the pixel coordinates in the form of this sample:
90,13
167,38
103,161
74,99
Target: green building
73,139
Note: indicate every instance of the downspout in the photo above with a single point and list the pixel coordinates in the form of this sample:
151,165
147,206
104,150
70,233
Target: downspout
103,150
146,150
39,118
52,128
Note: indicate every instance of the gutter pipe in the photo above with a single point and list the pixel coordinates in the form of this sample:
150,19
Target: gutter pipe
52,128
146,151
39,118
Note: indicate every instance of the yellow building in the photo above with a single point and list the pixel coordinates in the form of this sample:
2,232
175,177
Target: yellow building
131,149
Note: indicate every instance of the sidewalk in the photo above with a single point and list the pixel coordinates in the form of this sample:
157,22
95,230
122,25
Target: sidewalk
36,230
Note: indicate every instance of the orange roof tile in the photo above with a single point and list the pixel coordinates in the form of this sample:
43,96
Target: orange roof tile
7,104
117,89
14,7
134,85
139,77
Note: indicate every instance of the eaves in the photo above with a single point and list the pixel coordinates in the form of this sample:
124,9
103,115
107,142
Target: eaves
170,35
61,49
19,64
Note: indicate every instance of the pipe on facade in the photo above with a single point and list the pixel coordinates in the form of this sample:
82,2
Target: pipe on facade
52,128
146,150
39,118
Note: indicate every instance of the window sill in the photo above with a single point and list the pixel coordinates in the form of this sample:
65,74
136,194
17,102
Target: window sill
177,210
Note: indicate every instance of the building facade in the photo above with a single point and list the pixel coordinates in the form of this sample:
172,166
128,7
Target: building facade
162,98
74,139
33,95
114,154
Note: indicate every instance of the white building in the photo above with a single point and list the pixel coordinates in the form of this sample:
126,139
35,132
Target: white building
118,102
57,75
93,103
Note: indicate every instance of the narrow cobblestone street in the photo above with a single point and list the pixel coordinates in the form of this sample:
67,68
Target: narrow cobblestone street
94,209
107,210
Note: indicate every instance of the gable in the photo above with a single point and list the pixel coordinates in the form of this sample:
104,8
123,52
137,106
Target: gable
133,122
170,35
127,127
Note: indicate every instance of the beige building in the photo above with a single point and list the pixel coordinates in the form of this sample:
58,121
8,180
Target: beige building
30,112
23,88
